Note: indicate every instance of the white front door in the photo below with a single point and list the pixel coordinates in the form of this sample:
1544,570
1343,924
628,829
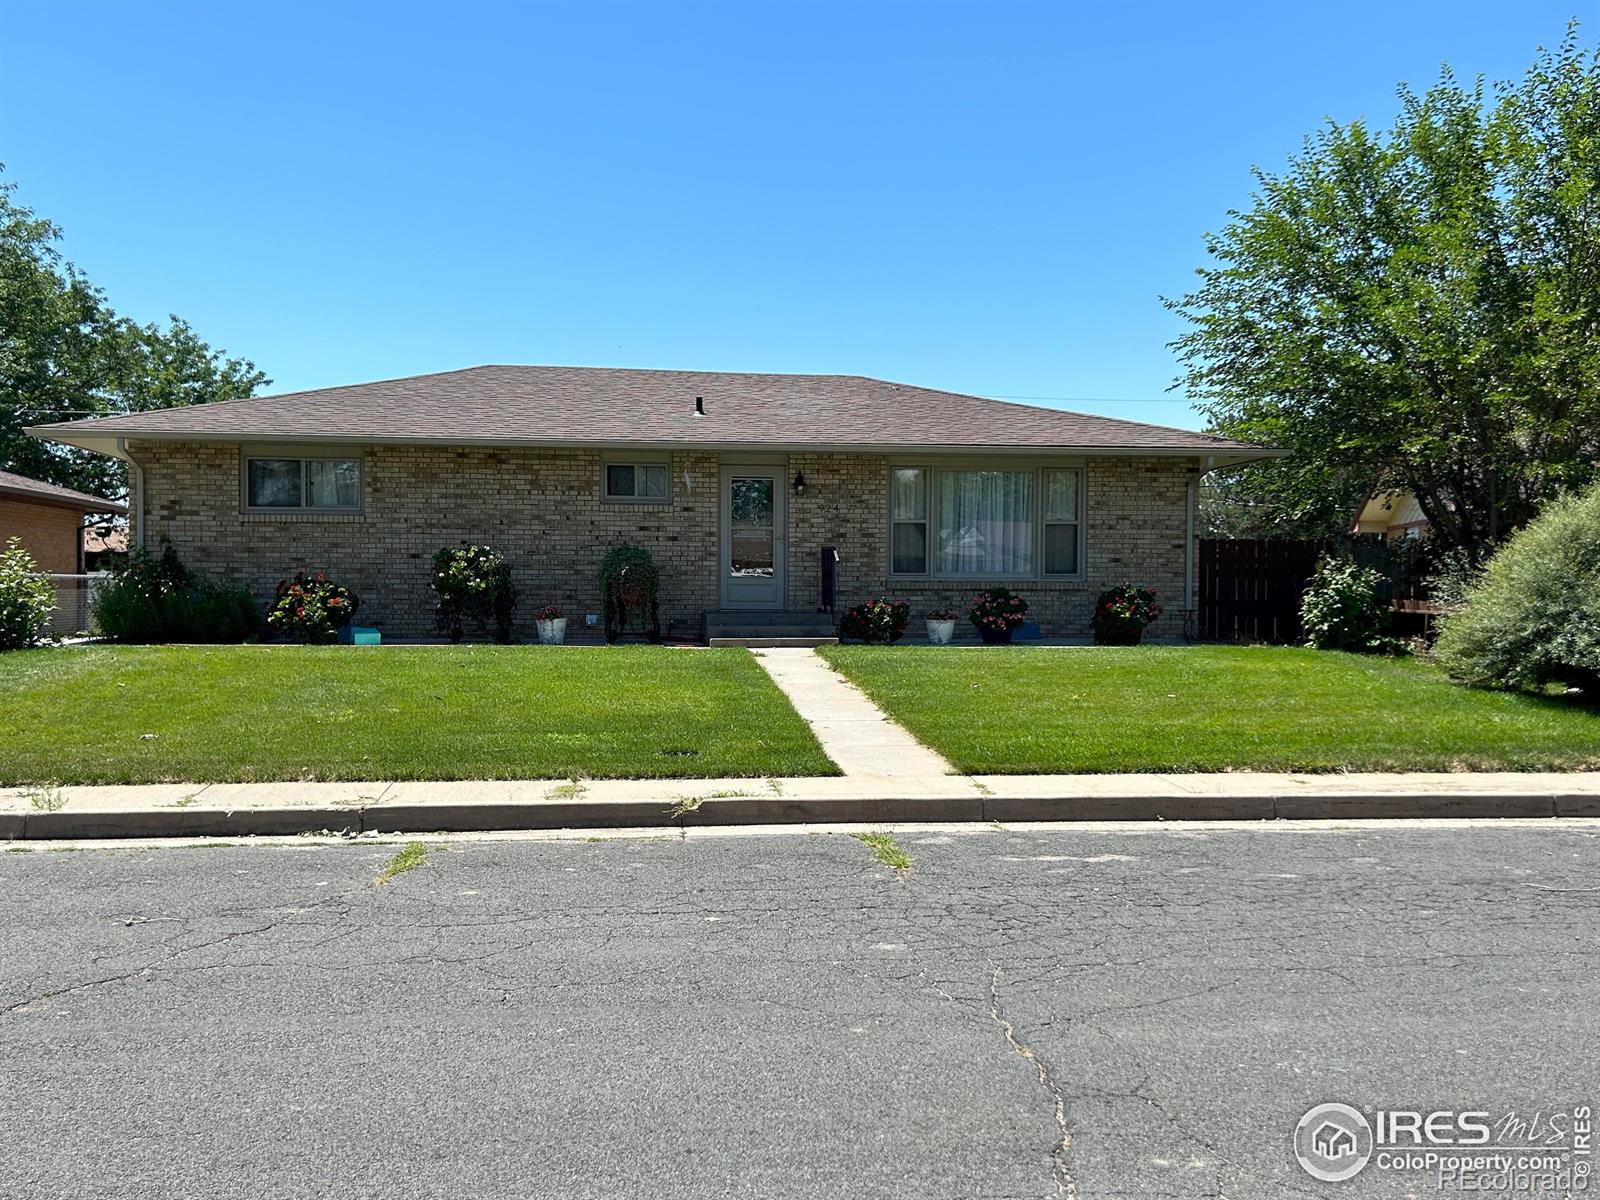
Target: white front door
752,556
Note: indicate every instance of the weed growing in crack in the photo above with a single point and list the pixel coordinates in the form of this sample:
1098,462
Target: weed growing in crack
410,856
884,850
46,797
570,790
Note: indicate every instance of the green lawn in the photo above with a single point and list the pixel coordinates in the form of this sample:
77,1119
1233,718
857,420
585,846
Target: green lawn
1211,708
243,713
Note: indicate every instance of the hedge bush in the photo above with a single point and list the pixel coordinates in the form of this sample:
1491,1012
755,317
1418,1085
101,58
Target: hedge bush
1532,617
154,598
26,598
1344,608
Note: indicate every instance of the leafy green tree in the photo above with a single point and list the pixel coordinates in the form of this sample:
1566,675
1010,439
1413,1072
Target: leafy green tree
1421,306
64,354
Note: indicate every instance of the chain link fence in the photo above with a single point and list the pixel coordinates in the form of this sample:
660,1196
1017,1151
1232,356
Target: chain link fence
74,612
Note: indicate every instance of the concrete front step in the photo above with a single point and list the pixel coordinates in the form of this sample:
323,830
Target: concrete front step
767,627
771,642
772,631
765,616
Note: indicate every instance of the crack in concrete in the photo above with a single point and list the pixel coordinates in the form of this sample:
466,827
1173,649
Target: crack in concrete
1060,1171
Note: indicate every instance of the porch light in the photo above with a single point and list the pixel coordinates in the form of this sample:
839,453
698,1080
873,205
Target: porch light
799,483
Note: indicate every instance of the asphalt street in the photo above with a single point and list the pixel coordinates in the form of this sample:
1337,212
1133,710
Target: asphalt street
1140,1012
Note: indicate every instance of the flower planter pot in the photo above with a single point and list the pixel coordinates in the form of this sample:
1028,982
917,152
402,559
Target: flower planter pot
995,637
940,632
552,633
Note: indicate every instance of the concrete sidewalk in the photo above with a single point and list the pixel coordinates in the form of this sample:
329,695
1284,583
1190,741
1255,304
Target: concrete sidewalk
232,809
853,731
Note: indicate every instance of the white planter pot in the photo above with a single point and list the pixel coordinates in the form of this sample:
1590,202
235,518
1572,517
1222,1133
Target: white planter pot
552,633
940,632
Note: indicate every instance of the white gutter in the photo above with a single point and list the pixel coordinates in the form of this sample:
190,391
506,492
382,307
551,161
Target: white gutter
1191,493
135,496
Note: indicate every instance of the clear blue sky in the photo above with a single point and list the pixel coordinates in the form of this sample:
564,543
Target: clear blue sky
988,197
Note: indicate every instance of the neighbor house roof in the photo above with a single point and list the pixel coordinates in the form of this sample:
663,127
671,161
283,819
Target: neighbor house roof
615,407
36,491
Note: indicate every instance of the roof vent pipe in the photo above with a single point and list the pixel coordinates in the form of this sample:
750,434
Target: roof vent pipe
699,406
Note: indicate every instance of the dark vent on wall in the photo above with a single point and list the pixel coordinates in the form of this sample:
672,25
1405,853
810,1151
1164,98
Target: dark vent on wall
699,406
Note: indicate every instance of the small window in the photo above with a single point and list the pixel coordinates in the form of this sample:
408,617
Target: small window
908,521
645,482
322,484
1062,505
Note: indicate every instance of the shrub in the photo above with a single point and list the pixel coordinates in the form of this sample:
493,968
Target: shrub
629,592
473,582
311,608
1343,608
548,613
880,621
941,614
1533,617
998,610
1121,614
154,598
26,598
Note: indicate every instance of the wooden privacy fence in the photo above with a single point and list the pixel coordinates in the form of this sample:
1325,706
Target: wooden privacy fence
1250,590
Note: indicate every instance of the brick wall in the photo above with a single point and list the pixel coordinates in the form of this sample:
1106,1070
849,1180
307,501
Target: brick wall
48,533
544,509
1135,512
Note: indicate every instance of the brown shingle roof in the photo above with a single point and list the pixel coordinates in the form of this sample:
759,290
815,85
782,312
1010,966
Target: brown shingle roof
21,487
616,406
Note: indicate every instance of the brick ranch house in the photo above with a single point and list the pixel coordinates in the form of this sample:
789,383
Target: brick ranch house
737,484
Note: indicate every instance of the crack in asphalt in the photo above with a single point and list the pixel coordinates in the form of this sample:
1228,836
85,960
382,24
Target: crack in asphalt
175,954
1060,1170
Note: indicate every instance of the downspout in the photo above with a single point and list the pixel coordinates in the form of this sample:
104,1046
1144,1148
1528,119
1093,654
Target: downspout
1191,492
135,496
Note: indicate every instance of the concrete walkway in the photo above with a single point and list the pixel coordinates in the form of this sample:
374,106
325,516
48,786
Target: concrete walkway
854,731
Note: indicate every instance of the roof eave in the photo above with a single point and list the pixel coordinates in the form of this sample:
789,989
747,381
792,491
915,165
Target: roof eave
26,496
111,443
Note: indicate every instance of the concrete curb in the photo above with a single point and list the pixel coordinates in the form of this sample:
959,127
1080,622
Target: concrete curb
469,816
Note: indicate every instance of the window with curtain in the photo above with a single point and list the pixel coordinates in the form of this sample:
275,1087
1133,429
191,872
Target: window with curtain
908,521
985,522
1061,524
321,484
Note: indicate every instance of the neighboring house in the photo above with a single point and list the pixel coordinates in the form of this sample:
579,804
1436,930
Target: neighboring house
49,520
103,545
1393,514
738,484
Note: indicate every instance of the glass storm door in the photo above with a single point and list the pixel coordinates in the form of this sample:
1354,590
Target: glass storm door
752,537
